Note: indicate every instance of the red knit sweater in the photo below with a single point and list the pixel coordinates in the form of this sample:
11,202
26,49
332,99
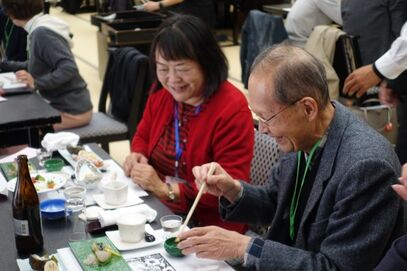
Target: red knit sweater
222,132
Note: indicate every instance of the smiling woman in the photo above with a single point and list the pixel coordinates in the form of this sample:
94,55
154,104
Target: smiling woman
193,116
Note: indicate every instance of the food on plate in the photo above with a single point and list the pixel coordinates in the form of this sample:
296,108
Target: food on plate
10,169
51,184
74,149
44,263
102,254
92,157
51,266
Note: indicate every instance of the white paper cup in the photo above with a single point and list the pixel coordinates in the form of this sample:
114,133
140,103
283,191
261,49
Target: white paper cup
131,227
115,192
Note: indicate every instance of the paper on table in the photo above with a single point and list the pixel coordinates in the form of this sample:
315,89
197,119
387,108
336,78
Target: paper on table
68,259
109,217
30,152
9,80
3,185
186,263
113,166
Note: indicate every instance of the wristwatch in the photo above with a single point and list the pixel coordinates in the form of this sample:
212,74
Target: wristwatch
171,194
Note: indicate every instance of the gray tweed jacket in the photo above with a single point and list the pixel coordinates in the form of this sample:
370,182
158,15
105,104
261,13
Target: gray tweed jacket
352,214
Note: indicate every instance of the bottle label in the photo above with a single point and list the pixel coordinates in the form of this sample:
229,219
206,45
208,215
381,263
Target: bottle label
21,227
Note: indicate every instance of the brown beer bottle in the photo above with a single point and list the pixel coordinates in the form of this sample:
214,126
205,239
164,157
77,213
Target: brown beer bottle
26,211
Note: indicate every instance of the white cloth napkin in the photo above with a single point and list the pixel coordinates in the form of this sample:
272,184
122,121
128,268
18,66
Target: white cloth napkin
56,141
109,217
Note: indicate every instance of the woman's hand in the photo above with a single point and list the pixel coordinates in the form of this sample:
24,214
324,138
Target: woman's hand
145,176
25,77
220,183
214,243
151,6
132,159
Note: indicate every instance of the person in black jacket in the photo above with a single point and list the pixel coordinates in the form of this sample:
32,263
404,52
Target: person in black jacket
13,39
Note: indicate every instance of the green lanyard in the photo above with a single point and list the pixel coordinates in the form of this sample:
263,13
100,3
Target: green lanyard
7,35
297,192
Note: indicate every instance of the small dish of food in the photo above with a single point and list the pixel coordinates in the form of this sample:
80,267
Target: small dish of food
43,183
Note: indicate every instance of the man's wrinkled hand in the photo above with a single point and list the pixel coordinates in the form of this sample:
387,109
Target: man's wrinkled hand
214,243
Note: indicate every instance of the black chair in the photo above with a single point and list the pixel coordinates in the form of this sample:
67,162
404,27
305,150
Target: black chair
346,58
126,83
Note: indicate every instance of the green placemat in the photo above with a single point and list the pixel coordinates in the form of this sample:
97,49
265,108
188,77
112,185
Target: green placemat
82,249
10,169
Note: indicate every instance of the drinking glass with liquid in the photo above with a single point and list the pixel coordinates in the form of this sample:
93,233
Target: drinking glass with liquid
74,207
171,225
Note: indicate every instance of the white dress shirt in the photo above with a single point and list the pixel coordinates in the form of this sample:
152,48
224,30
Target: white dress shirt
394,61
306,14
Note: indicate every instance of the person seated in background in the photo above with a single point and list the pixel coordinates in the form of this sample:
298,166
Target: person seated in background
305,15
193,116
203,9
396,256
13,40
328,202
50,68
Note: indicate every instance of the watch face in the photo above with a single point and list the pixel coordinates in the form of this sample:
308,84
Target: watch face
171,194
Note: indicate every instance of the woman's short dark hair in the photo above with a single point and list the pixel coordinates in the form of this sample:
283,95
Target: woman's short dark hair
295,74
187,37
22,9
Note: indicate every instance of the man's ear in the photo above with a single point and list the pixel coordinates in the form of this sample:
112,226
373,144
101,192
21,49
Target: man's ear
310,107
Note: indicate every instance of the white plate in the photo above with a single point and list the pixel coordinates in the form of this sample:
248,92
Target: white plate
70,158
131,200
114,236
41,186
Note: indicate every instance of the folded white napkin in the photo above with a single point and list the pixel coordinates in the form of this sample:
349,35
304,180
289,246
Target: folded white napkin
58,141
109,217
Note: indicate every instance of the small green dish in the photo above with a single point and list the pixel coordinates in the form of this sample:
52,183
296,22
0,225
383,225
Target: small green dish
171,247
54,164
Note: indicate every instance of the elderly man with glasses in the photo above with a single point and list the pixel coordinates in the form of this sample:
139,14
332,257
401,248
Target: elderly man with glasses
329,202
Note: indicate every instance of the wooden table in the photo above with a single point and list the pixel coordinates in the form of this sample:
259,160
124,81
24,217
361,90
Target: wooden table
22,117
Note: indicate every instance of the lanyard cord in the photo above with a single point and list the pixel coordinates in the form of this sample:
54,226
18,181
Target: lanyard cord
178,148
7,34
177,125
296,196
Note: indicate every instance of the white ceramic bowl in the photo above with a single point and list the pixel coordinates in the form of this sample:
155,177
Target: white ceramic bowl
131,227
115,192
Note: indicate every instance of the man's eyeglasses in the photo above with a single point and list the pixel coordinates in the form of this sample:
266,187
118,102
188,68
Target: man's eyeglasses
267,121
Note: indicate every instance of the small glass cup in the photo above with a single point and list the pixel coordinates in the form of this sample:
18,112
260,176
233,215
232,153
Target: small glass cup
74,207
171,225
42,156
